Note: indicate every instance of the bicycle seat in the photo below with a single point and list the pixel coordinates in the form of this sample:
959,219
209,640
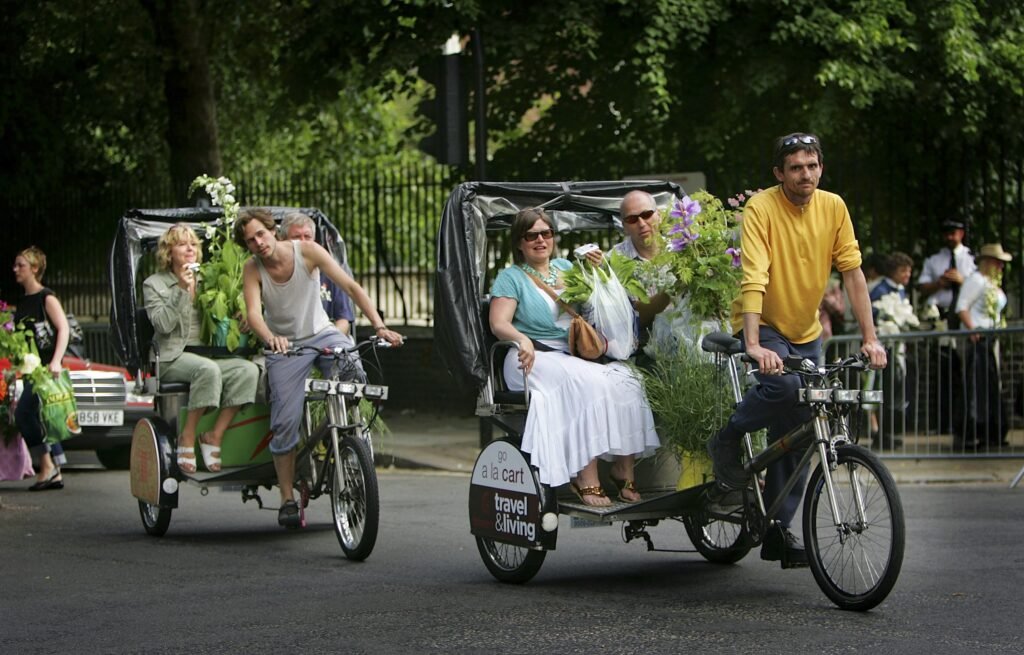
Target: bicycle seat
722,343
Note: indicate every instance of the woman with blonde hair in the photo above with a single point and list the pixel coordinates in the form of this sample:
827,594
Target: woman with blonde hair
227,383
40,305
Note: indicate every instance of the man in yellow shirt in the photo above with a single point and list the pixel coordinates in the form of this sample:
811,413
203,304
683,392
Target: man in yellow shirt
792,236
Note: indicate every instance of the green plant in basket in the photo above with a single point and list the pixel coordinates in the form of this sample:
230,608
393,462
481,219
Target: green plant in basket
690,397
219,294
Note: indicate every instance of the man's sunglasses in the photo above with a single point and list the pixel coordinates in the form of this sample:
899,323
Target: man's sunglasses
806,139
633,218
533,236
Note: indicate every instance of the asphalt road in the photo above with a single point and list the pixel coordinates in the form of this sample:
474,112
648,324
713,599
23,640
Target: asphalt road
80,576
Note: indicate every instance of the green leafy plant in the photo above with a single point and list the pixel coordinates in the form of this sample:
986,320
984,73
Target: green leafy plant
690,397
700,255
219,294
18,347
577,279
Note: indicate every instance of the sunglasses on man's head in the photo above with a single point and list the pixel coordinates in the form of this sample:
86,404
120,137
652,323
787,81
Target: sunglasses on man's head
533,236
633,218
806,139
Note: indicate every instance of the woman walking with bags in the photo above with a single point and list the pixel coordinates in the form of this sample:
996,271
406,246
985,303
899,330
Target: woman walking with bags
40,305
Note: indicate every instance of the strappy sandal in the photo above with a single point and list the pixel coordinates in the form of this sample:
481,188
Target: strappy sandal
186,458
211,454
626,485
580,492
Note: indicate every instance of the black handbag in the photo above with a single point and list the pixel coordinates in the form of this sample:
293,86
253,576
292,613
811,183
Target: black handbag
45,334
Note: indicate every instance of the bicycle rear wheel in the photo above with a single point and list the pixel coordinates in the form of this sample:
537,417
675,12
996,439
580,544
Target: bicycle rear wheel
720,542
857,562
355,498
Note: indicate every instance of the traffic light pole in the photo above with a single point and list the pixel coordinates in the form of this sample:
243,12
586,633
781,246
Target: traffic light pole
480,128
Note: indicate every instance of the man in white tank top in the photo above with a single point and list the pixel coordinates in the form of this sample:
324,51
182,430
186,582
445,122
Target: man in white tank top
281,284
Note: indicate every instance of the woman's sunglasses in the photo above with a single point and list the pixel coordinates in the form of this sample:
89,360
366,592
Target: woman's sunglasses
533,236
633,218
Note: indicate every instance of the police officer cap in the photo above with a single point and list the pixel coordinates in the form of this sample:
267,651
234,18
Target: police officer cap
953,224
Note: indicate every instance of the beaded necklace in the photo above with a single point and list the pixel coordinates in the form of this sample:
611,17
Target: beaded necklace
549,280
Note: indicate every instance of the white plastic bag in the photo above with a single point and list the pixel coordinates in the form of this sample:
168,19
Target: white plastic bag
611,312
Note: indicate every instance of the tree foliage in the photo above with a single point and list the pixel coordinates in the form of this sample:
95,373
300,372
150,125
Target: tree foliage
926,92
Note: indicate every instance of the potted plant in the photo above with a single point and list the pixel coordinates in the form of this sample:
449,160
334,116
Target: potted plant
219,293
699,266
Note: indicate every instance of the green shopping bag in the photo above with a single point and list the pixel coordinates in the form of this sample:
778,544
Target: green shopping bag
57,408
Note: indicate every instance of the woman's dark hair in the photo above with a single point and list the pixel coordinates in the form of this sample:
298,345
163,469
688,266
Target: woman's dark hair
521,224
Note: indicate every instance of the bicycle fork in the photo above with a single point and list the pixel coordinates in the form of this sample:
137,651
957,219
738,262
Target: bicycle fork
829,463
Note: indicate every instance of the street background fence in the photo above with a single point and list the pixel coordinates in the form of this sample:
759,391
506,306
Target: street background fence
937,400
388,219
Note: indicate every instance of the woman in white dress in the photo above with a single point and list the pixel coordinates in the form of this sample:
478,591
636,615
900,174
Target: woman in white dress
579,410
980,306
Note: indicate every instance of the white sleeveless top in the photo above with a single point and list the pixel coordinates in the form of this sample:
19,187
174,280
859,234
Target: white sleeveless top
293,310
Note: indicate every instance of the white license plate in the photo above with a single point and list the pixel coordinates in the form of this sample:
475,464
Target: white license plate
101,417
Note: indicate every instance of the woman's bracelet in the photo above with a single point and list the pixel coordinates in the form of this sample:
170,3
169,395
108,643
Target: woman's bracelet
379,328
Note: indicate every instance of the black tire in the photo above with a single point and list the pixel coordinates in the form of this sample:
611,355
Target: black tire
858,566
355,499
115,459
508,563
720,542
154,519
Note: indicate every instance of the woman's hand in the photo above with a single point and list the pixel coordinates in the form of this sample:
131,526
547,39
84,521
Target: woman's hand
527,354
187,280
595,257
55,369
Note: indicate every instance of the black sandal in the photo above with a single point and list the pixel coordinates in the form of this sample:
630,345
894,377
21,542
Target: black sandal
288,516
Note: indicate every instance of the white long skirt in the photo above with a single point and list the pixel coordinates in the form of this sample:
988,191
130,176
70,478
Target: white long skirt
580,410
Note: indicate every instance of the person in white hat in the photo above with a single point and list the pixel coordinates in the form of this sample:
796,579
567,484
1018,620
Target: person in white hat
980,306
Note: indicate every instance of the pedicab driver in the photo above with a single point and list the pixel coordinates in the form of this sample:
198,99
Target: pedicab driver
283,277
792,236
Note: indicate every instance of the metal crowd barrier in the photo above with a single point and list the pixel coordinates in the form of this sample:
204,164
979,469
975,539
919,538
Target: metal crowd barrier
946,394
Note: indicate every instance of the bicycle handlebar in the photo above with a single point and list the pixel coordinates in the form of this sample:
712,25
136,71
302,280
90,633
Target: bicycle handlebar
805,368
375,342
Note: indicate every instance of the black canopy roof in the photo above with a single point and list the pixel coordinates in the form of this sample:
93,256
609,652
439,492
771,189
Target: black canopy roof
475,208
138,232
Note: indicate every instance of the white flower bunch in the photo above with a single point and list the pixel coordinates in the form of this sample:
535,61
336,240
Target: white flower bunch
930,313
221,191
893,309
653,278
29,363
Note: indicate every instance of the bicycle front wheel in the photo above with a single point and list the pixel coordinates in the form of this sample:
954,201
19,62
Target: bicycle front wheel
355,498
856,562
508,563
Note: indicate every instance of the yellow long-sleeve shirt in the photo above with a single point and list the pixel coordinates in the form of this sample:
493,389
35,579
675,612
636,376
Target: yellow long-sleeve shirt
787,254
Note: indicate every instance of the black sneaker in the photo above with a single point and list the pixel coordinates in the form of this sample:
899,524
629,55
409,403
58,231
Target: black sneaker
726,461
288,516
780,545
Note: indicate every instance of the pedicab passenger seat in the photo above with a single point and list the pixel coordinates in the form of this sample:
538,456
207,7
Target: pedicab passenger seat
146,344
496,400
